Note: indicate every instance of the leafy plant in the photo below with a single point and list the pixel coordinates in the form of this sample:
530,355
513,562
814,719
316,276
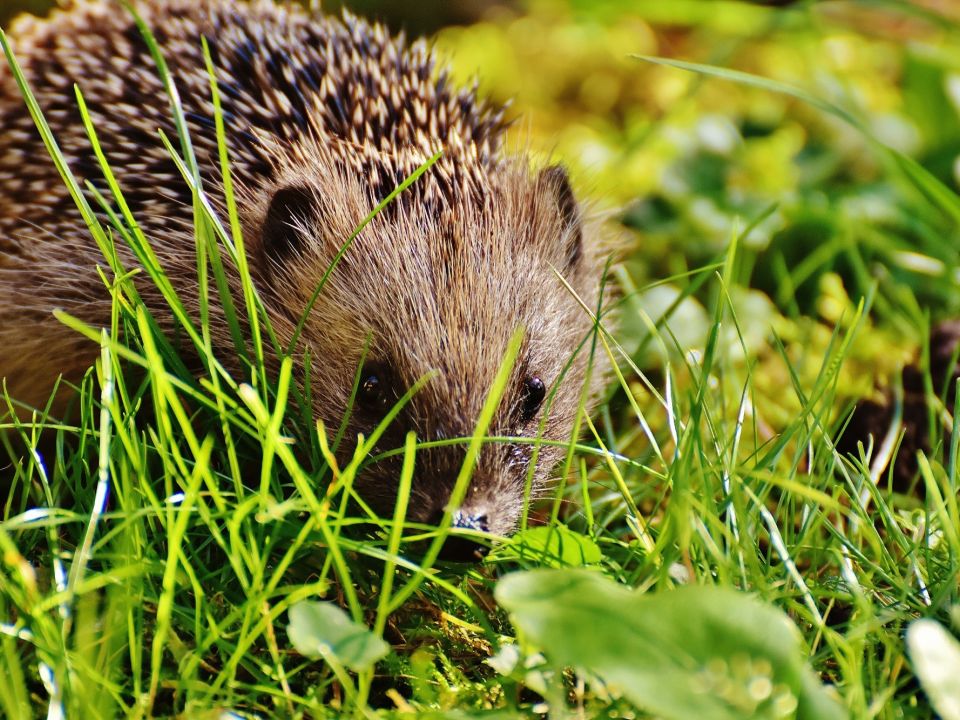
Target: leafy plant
689,652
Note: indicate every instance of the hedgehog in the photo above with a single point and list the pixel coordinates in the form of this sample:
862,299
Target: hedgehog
325,116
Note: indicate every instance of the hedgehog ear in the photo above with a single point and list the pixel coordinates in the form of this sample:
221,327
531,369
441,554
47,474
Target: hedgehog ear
290,207
556,183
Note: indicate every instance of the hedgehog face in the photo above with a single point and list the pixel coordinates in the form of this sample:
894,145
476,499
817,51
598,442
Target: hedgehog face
429,296
325,117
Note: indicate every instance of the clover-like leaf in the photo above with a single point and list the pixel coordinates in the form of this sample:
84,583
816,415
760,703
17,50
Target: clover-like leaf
322,629
703,652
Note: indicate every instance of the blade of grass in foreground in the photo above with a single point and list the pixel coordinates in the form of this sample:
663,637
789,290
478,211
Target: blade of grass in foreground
138,242
254,307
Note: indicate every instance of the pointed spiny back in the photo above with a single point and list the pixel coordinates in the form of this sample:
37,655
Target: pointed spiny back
378,99
286,77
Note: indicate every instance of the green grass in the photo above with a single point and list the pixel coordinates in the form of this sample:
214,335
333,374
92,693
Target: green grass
147,572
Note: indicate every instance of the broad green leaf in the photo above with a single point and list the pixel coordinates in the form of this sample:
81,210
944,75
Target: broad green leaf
552,546
702,652
935,654
322,629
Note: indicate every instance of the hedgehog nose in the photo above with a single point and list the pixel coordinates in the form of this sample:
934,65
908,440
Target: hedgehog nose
467,521
464,549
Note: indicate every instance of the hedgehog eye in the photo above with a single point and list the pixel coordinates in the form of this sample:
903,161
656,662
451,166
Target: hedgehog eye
533,393
372,390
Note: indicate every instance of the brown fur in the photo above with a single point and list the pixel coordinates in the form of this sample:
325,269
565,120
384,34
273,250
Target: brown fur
324,118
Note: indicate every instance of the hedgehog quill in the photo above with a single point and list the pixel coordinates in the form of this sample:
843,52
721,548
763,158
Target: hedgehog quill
325,117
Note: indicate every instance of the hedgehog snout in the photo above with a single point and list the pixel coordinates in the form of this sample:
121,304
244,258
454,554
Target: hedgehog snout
460,548
467,520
